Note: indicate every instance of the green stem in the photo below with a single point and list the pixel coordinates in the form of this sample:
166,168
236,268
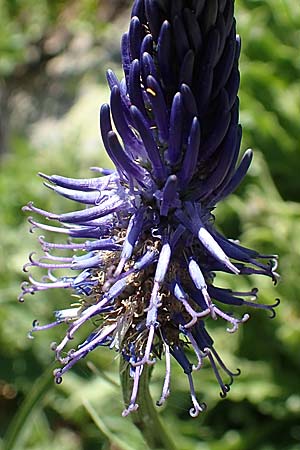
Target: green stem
18,425
146,417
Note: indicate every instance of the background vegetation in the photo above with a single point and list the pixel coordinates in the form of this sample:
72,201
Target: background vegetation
53,56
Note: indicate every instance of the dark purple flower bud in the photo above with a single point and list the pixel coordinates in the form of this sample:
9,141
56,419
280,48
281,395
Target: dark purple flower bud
175,131
135,37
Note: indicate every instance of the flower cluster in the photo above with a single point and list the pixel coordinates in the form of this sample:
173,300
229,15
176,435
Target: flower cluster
144,249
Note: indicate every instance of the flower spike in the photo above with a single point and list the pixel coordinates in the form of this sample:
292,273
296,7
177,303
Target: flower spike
142,252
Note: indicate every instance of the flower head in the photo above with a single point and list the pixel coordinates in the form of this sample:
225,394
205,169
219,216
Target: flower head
144,249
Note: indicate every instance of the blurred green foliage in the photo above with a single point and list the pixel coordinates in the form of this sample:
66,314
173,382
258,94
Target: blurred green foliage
24,24
270,64
52,115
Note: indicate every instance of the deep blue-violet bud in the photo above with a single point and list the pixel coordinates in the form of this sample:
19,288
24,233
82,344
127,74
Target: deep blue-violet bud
143,246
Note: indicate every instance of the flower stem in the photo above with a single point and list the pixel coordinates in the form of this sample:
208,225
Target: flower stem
146,417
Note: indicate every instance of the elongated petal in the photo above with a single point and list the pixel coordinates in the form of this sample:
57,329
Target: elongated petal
175,131
191,154
159,107
149,142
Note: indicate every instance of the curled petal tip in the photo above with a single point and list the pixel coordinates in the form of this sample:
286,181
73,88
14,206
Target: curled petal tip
58,380
27,207
225,390
26,266
131,408
57,373
272,310
197,409
53,346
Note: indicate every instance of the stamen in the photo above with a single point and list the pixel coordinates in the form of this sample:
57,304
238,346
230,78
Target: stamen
48,256
87,314
58,349
92,310
198,407
225,388
199,282
235,322
50,228
223,367
133,406
160,273
37,327
94,342
166,386
200,355
51,277
30,207
183,298
40,286
77,195
146,358
264,306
